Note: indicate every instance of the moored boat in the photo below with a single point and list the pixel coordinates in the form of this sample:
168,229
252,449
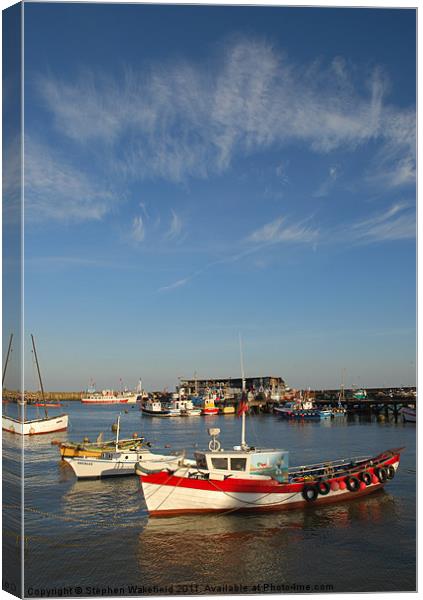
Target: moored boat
109,397
408,414
116,463
91,449
119,460
360,394
209,407
227,409
154,408
247,479
302,409
40,425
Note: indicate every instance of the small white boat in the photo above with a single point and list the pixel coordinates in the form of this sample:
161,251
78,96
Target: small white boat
35,426
40,425
408,414
154,408
117,462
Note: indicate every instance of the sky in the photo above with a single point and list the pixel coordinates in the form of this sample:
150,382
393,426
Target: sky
193,173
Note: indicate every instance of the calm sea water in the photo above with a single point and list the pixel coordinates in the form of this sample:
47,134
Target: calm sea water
95,536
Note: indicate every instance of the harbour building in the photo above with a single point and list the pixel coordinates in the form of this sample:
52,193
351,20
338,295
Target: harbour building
270,387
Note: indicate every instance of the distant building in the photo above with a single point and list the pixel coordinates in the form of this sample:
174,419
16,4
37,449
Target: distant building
268,385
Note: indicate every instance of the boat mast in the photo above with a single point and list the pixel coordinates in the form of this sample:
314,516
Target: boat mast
39,376
7,358
243,442
117,433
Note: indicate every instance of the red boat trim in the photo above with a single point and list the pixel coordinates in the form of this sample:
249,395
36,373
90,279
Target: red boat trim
244,485
348,496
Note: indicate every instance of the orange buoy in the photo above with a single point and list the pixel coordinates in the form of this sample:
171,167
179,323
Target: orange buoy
362,485
334,486
375,479
342,485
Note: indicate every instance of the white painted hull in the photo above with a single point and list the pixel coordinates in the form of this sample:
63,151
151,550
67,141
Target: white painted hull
94,468
408,414
167,499
35,426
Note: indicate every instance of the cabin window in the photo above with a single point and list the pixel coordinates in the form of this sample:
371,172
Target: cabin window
220,463
238,464
201,461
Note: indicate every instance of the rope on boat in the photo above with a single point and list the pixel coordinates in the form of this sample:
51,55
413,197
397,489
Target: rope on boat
173,488
258,499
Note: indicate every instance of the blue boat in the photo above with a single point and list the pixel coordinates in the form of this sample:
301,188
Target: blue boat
302,409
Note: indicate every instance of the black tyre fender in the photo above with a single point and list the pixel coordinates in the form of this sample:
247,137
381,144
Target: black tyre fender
323,488
381,474
352,483
390,472
310,492
366,477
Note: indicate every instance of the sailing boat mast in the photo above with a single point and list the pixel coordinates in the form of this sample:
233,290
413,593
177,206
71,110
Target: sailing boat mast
7,359
243,442
39,375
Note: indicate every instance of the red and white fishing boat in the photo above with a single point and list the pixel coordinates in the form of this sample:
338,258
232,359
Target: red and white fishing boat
110,397
260,480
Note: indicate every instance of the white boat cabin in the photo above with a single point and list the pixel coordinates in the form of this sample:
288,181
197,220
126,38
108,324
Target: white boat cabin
239,463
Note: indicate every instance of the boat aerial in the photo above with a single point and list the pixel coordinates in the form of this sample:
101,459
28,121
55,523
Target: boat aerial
39,425
250,479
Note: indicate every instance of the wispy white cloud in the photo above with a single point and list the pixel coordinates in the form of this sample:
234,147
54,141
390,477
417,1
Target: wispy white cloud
137,233
328,183
175,228
396,223
179,120
57,190
277,232
177,284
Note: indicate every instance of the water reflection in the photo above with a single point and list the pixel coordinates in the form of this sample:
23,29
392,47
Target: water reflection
248,546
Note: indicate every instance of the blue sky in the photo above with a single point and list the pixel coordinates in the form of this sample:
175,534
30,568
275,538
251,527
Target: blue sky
195,172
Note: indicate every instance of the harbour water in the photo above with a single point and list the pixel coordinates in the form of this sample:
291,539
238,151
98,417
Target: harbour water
95,537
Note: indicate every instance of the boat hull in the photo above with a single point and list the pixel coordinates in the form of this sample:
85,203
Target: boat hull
303,414
170,495
105,401
156,413
96,468
35,426
408,414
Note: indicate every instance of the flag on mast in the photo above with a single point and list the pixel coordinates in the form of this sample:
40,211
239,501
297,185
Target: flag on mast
243,405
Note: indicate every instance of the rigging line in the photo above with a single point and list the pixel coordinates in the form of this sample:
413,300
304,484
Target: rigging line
258,499
173,488
159,486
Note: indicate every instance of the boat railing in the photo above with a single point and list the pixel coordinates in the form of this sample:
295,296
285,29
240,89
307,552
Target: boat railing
331,463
